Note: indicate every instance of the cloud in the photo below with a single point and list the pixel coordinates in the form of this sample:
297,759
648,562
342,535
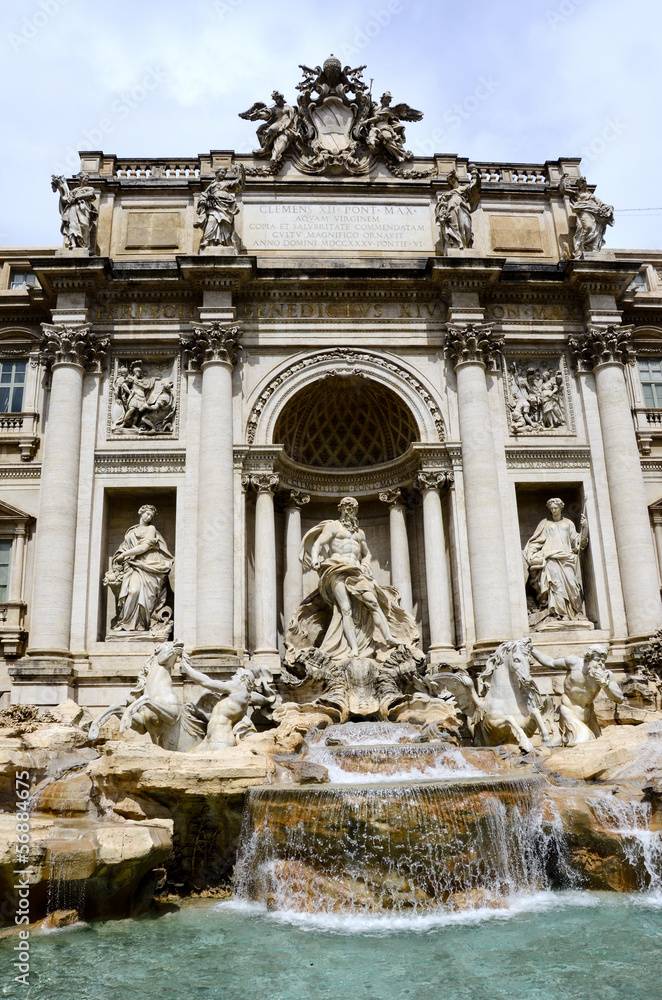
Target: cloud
565,68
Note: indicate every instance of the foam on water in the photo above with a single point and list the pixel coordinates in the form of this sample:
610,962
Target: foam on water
416,922
357,734
363,764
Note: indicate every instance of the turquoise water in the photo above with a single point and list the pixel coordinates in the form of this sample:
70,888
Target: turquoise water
550,946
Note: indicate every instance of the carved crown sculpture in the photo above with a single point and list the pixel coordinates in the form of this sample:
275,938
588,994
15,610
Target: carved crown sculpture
473,344
602,346
73,345
212,342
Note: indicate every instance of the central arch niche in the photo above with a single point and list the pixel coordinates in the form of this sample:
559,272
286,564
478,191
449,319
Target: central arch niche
345,422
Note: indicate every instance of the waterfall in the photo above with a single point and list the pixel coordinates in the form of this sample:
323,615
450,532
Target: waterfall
461,843
631,822
66,889
364,764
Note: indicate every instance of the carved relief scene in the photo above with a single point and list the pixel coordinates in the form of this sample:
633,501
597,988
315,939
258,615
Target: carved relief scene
144,398
537,397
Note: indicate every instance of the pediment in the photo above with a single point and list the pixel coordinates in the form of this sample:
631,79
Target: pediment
9,513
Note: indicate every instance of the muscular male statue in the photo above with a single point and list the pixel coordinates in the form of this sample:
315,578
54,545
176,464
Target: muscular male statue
365,615
586,676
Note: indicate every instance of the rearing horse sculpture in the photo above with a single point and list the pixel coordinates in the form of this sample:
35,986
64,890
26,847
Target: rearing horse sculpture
507,703
153,705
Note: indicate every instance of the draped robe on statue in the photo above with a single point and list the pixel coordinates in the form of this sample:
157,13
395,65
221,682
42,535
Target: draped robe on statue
143,593
318,620
551,558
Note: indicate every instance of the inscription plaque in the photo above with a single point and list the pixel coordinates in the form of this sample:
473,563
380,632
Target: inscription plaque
337,226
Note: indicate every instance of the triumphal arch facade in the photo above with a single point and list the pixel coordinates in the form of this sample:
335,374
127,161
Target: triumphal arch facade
227,345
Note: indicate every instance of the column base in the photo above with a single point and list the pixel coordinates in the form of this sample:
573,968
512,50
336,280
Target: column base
42,680
217,662
481,651
269,658
444,653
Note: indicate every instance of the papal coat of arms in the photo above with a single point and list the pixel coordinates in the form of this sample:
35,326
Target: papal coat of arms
335,125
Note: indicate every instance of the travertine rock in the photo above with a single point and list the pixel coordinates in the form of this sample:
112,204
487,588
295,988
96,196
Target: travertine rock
622,753
111,859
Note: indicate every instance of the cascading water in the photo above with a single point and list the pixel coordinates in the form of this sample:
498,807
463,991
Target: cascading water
392,847
632,822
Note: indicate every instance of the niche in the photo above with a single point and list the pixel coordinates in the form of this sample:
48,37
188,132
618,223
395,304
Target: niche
532,509
121,508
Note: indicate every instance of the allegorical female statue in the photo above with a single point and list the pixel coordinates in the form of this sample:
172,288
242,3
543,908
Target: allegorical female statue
551,560
454,209
217,208
138,577
78,212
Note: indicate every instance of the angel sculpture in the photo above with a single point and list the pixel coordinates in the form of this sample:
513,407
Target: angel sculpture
454,209
385,129
217,208
280,128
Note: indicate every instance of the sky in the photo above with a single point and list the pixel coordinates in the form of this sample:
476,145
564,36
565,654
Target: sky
497,80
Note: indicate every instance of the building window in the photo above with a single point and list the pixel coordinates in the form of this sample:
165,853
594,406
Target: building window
12,386
5,558
650,373
21,279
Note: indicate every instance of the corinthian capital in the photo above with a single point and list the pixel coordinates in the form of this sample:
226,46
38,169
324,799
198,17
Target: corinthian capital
261,482
211,342
392,498
606,345
72,345
475,343
434,480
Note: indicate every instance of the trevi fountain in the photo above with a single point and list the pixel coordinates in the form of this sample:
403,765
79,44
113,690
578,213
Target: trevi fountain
331,629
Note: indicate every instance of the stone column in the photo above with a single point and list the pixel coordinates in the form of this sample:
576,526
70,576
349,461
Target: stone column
17,564
68,351
605,351
473,348
212,350
266,606
293,575
436,572
657,530
400,565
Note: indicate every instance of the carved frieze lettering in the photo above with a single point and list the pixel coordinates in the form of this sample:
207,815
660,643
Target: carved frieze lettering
351,309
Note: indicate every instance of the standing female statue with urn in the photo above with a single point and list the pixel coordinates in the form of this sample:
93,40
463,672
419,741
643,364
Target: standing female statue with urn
551,562
138,578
